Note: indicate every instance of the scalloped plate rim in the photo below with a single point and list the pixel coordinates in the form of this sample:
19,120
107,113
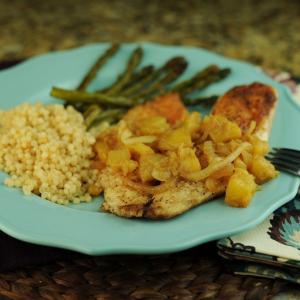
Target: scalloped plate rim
73,244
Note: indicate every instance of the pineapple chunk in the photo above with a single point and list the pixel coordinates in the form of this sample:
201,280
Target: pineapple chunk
119,160
161,167
139,149
221,129
173,162
223,149
188,162
259,147
239,163
110,138
102,151
174,139
118,155
247,158
161,174
262,169
155,125
240,189
209,151
145,167
154,166
234,144
192,122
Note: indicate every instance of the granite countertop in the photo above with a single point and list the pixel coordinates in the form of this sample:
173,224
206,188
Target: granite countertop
267,33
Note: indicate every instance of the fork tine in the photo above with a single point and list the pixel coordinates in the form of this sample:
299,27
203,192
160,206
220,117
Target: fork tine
285,168
287,151
284,158
284,163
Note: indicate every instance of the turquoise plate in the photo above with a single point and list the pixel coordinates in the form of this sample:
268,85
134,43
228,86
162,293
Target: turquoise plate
82,227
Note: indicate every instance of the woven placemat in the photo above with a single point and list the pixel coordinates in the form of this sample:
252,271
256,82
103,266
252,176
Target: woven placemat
194,274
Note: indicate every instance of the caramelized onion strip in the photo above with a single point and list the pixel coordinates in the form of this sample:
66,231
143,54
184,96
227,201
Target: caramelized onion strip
212,168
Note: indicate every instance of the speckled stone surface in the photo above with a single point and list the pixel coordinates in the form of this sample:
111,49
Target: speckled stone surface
263,32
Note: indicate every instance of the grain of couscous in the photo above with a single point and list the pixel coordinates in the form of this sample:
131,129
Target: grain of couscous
46,150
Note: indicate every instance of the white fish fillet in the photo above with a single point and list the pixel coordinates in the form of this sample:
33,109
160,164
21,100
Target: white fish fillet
237,105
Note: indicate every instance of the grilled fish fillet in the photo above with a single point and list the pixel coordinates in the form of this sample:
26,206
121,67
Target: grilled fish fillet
120,199
182,197
241,104
246,103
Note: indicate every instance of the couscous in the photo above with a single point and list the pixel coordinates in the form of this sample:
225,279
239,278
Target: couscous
46,150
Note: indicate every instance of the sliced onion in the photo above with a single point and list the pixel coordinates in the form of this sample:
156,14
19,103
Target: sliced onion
212,168
251,128
144,139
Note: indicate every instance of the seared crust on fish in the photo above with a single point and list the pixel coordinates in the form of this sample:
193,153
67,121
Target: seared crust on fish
246,103
168,106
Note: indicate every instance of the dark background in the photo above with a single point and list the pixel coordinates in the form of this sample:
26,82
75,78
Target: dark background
263,32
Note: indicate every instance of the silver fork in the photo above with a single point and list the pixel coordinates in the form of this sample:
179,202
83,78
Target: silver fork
285,159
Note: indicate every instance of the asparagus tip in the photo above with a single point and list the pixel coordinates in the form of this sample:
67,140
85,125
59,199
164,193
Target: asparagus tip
224,72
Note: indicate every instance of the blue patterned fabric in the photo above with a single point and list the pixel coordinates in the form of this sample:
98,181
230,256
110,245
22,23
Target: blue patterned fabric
272,260
285,224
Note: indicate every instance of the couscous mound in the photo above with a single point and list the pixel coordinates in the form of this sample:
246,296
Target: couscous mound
47,151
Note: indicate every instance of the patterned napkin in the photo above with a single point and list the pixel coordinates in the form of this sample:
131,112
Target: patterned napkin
272,248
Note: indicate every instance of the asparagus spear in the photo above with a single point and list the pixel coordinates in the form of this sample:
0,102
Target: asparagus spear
170,72
205,81
91,114
74,97
154,76
138,84
139,75
81,107
97,65
212,69
148,81
175,68
109,115
90,110
125,77
135,78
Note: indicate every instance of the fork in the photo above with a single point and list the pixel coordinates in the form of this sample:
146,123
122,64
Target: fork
285,159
